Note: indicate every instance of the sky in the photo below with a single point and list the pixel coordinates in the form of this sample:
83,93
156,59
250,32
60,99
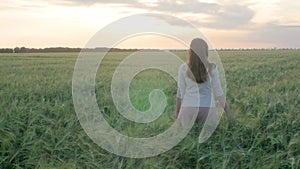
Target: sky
225,23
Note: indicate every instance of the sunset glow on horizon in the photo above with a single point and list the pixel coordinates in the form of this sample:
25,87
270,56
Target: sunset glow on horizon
226,24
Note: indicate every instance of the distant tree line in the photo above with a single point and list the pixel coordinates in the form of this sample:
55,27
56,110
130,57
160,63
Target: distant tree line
44,50
6,50
61,49
255,49
103,49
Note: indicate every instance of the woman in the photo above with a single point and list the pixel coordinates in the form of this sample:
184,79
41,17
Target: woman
198,79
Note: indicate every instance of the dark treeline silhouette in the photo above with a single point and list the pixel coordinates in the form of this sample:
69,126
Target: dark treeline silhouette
44,50
6,50
103,49
61,49
255,49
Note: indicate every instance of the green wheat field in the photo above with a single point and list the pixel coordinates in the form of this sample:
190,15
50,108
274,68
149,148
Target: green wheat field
39,127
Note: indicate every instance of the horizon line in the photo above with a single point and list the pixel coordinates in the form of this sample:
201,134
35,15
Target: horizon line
67,47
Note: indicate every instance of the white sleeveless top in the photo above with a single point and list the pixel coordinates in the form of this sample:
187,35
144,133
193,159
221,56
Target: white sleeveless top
198,95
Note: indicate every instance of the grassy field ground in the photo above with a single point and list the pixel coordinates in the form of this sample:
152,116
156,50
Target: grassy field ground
39,127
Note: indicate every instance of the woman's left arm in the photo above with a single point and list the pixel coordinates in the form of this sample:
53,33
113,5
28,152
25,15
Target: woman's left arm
180,89
219,92
178,106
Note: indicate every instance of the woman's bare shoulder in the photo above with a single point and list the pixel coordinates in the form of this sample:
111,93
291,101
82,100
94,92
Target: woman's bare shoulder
183,67
213,66
213,69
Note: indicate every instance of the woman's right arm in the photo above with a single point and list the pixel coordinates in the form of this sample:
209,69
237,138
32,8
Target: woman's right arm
178,106
219,92
222,101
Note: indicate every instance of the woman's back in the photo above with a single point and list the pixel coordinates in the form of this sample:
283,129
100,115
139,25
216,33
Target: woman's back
198,94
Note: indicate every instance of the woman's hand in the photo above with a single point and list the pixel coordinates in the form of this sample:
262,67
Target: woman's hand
178,106
222,101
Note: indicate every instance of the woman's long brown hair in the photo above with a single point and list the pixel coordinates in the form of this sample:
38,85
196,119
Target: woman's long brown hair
197,61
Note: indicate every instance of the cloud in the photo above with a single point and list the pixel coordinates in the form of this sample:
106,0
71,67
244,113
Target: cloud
226,17
131,3
171,21
276,35
8,5
216,16
191,6
230,17
80,2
